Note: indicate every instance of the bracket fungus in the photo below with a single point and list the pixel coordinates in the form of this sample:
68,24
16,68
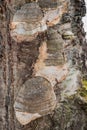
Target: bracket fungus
55,71
30,20
27,23
36,98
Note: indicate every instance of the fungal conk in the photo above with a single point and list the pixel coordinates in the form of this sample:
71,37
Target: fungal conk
36,98
30,20
27,23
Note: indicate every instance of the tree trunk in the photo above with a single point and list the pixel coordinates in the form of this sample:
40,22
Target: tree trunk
42,57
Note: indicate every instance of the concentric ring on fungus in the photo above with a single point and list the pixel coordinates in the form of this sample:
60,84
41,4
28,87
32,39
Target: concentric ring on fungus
36,98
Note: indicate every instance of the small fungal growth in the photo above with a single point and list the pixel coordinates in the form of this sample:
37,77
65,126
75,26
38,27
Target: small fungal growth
36,98
68,35
28,1
83,91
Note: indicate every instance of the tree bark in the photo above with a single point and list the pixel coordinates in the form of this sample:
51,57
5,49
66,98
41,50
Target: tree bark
59,48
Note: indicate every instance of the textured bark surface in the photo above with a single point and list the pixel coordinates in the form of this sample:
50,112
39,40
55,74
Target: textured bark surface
42,38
